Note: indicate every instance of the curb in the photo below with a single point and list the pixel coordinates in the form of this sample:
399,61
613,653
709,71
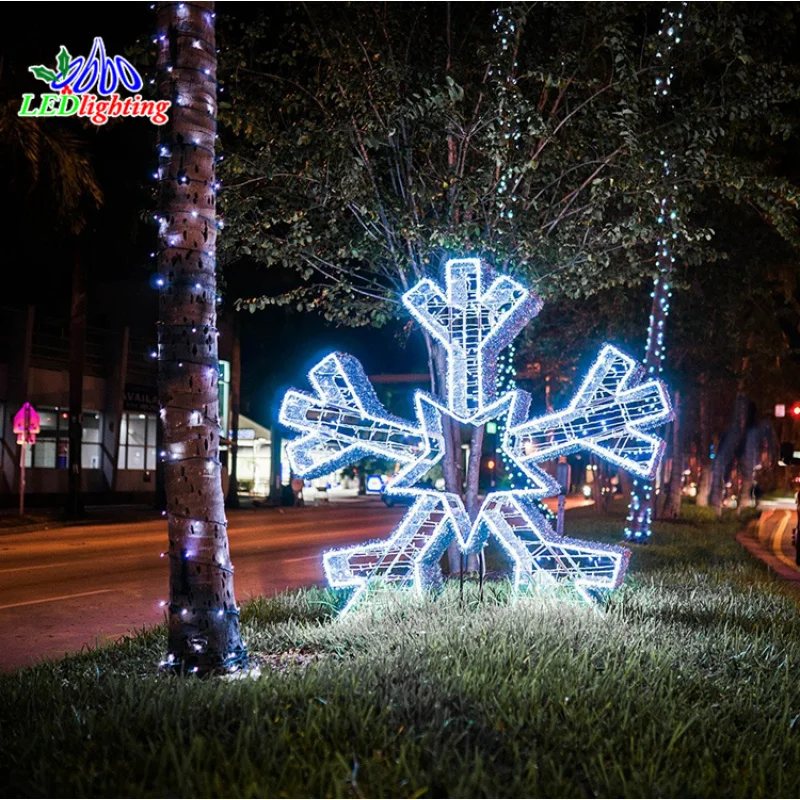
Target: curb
754,546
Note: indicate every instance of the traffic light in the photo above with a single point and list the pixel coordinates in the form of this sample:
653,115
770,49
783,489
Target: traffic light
491,464
796,410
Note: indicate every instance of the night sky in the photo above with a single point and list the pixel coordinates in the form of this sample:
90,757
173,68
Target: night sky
278,346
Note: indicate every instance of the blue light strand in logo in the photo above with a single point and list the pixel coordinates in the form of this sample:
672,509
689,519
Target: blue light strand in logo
98,69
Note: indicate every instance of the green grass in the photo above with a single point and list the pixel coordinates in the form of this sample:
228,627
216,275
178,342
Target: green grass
686,684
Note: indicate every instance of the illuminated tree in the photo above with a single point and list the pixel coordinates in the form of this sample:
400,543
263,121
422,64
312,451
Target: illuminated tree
367,143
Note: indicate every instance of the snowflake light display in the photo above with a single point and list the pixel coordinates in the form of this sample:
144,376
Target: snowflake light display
474,317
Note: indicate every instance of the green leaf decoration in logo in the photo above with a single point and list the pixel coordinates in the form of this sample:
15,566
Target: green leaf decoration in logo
62,65
43,73
62,61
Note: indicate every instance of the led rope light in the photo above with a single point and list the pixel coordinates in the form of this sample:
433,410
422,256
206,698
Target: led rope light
343,421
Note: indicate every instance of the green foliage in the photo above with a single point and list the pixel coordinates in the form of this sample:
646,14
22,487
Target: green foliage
375,139
47,167
684,685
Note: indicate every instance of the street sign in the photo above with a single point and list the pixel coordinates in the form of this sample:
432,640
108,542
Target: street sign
26,425
780,410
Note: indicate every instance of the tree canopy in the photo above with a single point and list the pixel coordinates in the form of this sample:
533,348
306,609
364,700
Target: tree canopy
367,142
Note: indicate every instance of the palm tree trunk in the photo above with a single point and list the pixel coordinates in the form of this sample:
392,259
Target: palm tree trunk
674,489
203,617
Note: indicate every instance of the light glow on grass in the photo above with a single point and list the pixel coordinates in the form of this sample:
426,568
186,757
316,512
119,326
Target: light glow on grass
685,685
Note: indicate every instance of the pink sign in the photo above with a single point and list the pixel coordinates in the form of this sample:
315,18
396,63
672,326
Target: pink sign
26,424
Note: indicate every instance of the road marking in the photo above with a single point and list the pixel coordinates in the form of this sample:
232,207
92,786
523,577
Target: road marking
55,599
762,535
39,566
777,539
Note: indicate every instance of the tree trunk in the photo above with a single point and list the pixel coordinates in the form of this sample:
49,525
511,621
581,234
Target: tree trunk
204,632
473,471
451,460
471,502
747,466
704,453
759,438
232,500
673,490
704,487
77,351
704,413
729,444
640,514
640,509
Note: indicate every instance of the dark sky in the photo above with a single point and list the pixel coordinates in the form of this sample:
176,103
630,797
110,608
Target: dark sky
277,347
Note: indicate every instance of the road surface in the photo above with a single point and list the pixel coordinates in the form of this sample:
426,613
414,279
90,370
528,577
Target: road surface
73,587
771,540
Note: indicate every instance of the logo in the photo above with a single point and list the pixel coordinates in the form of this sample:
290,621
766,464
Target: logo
78,84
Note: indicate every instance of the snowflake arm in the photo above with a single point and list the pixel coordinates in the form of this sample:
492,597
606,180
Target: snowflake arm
608,416
410,556
473,319
538,553
344,421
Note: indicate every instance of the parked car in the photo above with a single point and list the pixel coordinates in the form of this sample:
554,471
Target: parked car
395,500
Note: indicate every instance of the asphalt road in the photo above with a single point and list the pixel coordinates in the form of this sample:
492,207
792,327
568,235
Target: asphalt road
67,588
774,532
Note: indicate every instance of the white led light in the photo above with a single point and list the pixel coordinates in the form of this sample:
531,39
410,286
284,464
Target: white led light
607,416
343,421
476,316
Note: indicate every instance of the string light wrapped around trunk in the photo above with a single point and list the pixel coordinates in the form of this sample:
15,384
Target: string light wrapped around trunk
640,509
203,616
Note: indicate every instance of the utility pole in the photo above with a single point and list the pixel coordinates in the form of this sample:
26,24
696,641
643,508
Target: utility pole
77,353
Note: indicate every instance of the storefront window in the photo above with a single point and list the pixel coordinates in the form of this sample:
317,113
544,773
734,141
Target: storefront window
137,441
91,451
51,450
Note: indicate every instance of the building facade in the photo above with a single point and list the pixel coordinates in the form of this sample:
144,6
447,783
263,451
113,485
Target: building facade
119,415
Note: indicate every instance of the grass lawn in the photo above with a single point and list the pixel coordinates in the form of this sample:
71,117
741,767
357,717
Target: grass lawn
686,684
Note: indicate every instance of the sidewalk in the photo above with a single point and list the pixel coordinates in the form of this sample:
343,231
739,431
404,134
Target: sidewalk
53,518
